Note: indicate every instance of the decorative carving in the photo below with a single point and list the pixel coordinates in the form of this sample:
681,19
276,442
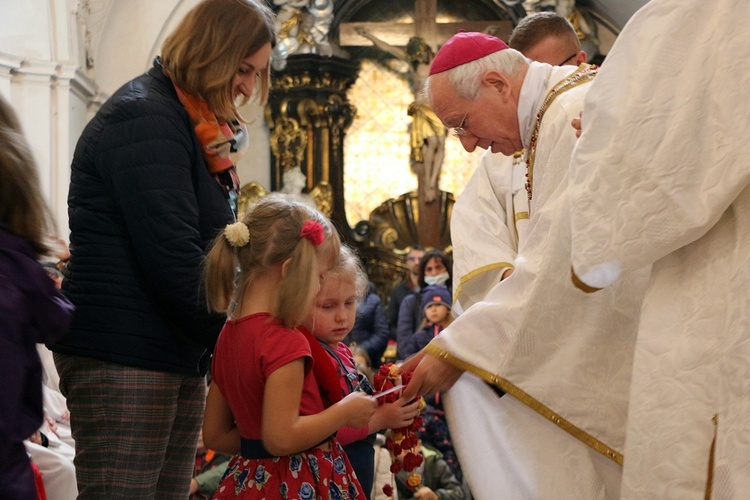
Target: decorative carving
312,92
288,141
309,80
250,194
303,27
322,194
340,117
394,224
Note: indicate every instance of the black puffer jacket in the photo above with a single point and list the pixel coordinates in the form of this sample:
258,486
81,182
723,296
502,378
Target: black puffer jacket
142,209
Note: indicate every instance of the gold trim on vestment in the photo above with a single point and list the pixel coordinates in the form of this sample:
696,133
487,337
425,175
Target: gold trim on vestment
580,284
478,271
711,458
583,74
529,401
521,216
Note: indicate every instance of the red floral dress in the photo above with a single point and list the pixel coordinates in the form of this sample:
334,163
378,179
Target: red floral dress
247,351
312,474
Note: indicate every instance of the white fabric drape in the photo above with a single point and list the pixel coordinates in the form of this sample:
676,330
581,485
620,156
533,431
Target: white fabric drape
661,175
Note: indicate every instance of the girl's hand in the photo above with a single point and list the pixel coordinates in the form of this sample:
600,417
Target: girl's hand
395,415
359,409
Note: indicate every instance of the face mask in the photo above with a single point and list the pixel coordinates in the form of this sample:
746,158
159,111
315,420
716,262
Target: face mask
438,279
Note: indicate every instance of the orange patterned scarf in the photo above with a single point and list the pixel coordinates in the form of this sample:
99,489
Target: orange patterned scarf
222,144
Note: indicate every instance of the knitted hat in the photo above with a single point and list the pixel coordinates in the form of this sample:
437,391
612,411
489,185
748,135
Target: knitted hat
436,294
463,47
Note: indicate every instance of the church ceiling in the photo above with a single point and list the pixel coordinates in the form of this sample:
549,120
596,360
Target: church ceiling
614,12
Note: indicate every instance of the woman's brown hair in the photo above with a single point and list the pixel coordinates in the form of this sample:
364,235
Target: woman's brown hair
202,55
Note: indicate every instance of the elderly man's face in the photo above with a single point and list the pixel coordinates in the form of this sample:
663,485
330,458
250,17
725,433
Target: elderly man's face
488,122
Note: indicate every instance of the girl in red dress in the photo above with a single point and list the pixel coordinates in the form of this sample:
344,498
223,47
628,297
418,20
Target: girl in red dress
269,402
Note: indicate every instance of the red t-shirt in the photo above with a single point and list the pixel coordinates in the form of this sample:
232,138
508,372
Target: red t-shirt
248,350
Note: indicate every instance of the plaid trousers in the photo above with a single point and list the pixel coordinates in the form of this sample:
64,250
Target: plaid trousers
136,430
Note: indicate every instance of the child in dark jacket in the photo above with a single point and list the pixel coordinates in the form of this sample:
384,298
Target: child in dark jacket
436,315
438,480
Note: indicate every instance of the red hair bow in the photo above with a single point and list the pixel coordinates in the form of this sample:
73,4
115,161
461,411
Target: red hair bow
313,231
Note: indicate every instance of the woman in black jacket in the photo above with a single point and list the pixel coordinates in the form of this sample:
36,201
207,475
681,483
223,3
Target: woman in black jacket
153,179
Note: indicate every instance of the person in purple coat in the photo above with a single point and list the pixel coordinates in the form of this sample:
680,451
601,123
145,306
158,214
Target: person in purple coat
31,309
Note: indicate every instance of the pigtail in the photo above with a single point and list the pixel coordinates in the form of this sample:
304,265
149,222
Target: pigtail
296,292
219,274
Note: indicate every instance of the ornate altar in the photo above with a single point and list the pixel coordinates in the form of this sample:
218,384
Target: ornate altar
389,233
308,114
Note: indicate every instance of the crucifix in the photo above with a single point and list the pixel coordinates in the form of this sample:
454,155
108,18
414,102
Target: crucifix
414,44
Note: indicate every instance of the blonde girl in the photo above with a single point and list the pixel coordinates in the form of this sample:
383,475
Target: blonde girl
264,403
330,321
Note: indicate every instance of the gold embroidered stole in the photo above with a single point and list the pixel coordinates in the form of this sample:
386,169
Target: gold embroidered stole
584,73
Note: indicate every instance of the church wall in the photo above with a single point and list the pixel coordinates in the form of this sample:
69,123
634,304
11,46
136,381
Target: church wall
40,76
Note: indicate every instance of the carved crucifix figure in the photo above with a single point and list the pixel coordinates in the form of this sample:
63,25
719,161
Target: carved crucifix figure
427,135
413,43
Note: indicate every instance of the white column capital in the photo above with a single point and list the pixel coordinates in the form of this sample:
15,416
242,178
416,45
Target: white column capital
81,85
9,63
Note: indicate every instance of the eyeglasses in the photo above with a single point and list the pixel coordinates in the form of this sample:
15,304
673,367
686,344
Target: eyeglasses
460,131
568,59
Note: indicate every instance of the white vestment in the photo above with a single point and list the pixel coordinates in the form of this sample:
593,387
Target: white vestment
55,461
544,342
488,220
661,176
507,448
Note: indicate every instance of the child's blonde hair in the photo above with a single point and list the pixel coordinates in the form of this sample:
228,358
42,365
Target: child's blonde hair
275,227
349,268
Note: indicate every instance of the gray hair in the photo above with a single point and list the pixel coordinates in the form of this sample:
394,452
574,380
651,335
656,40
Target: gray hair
466,79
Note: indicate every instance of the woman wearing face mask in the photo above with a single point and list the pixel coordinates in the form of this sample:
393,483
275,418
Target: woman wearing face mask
435,268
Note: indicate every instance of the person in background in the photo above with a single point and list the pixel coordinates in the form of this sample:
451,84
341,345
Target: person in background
275,398
31,308
370,330
438,480
436,315
153,180
435,268
209,469
330,321
407,287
